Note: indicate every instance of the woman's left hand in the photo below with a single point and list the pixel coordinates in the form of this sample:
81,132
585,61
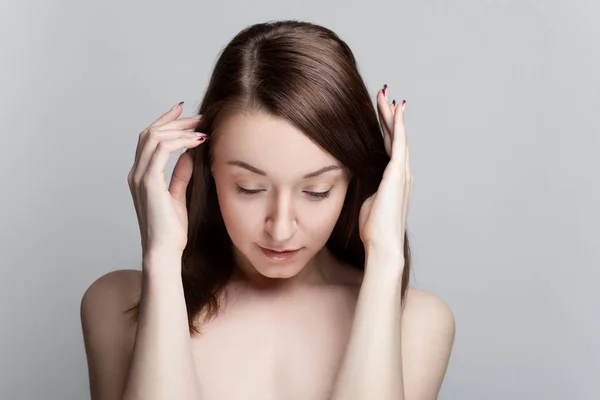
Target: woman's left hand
382,219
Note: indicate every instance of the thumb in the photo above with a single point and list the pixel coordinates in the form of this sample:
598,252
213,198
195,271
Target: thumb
181,176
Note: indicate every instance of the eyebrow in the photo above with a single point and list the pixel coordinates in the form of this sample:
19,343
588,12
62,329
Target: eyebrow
250,168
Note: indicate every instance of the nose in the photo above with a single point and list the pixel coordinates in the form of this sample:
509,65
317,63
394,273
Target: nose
281,221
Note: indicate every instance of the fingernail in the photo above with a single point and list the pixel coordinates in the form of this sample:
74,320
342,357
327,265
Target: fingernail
393,102
200,134
384,90
403,103
199,116
177,105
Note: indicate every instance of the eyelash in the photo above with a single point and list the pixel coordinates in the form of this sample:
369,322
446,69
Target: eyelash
248,192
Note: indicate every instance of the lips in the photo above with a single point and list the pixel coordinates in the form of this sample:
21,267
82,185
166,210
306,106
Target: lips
279,255
279,251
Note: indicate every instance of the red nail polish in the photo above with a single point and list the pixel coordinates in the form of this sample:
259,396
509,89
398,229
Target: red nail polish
393,102
403,102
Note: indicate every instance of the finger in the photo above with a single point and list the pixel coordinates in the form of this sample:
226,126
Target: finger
182,123
386,113
400,141
406,200
155,137
402,109
160,157
170,115
384,131
409,176
181,176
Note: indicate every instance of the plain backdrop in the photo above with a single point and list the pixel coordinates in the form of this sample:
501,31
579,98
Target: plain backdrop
502,105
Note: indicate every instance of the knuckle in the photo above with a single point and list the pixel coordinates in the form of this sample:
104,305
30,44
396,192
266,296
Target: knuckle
146,180
135,182
153,133
134,177
131,174
162,146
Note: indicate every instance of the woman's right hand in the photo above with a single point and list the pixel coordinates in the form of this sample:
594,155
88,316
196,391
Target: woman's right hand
162,212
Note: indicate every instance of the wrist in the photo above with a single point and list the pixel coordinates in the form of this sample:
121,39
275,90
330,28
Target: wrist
386,251
161,263
159,255
387,260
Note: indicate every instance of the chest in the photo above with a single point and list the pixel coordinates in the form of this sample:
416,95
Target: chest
275,348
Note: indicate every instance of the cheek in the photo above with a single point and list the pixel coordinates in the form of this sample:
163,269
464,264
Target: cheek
241,218
319,220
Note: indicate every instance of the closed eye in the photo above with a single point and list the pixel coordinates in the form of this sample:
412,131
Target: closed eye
320,195
248,191
252,192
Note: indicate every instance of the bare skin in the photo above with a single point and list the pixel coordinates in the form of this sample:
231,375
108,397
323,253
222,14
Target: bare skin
277,344
264,345
284,326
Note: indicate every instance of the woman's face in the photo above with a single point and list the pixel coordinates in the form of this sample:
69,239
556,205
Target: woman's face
277,190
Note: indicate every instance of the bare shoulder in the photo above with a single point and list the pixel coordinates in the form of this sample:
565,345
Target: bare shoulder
108,331
110,295
428,330
427,307
122,282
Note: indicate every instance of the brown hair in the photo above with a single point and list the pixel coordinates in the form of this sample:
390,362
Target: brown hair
307,75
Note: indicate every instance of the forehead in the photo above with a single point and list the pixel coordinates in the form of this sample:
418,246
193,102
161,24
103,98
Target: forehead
269,143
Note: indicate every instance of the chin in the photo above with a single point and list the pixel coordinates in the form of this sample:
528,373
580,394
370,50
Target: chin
280,270
277,266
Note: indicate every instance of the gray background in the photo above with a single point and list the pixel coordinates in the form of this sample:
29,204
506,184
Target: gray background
502,102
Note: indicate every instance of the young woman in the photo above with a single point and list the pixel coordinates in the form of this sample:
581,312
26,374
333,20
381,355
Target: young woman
276,262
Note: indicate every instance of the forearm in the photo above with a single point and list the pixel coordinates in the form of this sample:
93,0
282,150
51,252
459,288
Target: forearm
372,365
162,366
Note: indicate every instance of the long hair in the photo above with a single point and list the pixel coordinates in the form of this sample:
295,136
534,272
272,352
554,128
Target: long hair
307,75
